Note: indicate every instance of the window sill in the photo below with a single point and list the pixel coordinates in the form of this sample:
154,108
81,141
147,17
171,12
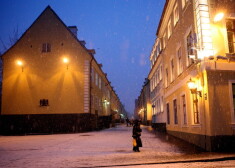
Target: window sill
196,125
185,126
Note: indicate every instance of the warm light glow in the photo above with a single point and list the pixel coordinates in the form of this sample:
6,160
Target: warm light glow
218,17
191,84
19,63
65,60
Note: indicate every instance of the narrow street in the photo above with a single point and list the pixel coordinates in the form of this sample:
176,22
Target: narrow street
107,148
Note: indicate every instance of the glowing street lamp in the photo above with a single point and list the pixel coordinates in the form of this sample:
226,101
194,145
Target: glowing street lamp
20,64
218,17
193,88
66,61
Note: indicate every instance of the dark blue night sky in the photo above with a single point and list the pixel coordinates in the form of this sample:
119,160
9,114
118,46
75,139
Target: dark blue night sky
121,31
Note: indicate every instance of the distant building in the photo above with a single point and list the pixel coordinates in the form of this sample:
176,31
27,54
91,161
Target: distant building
192,77
52,82
143,105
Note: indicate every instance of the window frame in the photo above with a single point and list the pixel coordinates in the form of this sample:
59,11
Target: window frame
169,29
175,110
46,47
230,31
168,118
176,13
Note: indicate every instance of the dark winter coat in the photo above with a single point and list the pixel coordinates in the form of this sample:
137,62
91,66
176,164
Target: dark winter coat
136,134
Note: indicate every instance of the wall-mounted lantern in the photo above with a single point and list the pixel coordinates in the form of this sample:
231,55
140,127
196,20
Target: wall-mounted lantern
193,88
20,64
218,17
106,102
66,62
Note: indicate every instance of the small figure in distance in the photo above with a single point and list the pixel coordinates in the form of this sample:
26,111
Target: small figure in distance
127,122
136,133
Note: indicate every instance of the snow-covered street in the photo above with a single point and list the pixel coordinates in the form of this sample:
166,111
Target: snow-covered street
107,148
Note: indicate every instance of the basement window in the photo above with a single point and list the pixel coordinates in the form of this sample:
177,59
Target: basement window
44,102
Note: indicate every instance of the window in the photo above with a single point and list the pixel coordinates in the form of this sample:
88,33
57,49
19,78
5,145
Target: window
168,113
44,102
233,94
46,47
164,41
184,110
172,70
230,25
100,83
176,14
160,75
183,3
96,79
92,74
169,29
161,104
190,48
195,110
166,79
175,111
180,63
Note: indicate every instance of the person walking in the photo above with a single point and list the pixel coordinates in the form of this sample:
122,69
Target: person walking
127,121
136,133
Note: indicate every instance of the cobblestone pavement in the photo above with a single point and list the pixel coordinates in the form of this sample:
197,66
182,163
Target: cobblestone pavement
107,148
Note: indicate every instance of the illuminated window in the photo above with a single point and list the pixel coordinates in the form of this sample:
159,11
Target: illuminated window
191,52
183,3
169,29
160,74
180,63
46,47
176,14
161,104
175,111
172,70
230,25
166,79
195,110
164,41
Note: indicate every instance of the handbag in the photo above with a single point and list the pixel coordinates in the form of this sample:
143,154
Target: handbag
134,142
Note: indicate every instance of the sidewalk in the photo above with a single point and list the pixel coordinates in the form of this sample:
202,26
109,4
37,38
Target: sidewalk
107,148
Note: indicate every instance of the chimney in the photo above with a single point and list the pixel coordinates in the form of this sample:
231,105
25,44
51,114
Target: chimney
74,30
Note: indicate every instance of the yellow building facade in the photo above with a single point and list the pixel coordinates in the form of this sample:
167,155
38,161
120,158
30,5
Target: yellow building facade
196,50
52,82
